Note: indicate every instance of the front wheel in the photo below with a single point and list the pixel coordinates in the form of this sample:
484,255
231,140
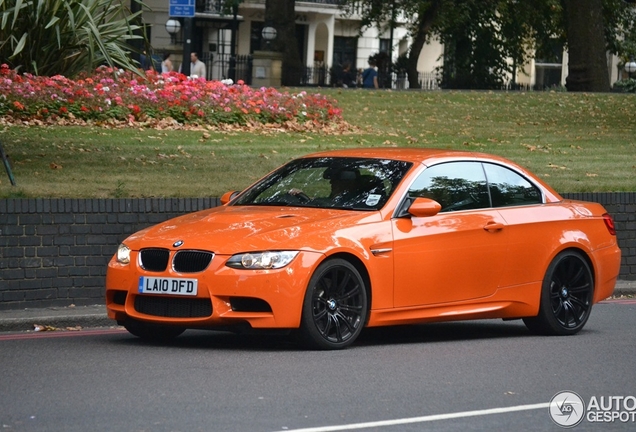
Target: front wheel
566,296
152,332
335,307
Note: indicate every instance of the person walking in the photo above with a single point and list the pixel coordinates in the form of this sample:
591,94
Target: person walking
370,76
197,67
166,64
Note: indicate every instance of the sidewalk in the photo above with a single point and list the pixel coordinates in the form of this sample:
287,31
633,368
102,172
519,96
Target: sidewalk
76,317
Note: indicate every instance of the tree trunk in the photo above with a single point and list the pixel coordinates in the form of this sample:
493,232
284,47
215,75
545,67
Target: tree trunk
282,16
426,20
587,47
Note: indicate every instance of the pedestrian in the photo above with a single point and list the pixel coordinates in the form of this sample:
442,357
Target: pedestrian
197,67
166,64
145,61
348,78
370,76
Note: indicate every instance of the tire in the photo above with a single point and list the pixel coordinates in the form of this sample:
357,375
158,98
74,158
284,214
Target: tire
152,332
566,296
335,307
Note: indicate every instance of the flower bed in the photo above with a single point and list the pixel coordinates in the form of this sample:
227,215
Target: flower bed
115,97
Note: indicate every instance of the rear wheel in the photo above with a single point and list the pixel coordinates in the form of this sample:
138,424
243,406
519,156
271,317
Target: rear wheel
152,332
335,306
566,296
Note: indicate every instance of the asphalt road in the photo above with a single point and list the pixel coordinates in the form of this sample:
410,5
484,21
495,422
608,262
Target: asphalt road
469,376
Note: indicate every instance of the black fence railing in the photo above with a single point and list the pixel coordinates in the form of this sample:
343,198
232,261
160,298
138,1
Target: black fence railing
243,69
219,67
317,75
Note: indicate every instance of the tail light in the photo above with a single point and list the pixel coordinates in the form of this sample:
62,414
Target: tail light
609,223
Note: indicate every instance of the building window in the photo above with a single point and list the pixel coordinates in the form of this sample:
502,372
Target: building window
548,65
345,51
385,46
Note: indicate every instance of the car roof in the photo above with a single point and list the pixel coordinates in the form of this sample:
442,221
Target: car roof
416,155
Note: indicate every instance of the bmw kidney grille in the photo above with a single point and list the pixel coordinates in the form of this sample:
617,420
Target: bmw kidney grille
186,261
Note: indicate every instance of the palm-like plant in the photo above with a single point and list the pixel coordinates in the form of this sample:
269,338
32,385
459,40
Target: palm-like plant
66,37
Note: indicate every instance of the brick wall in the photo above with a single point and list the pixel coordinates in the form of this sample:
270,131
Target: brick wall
54,252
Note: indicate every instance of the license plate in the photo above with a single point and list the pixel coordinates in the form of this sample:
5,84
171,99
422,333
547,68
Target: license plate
175,286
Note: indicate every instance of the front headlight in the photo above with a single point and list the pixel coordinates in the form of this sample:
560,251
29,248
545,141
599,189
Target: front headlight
123,254
261,260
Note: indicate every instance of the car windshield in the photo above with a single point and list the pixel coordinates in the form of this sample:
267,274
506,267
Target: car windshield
329,182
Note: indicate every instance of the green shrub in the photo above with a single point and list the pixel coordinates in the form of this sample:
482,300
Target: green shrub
66,37
626,86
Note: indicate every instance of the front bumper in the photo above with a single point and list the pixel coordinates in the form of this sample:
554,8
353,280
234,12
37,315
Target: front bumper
225,297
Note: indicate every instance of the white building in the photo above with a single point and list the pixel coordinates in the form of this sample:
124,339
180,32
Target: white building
326,38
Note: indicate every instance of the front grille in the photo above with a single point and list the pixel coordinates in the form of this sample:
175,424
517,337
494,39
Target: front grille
154,259
171,307
191,261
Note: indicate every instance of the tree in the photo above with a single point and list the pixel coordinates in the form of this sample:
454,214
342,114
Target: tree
66,37
281,15
426,16
587,47
475,49
486,42
620,28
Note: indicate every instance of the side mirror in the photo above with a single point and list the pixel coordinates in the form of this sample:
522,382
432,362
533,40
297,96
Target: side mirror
424,207
228,196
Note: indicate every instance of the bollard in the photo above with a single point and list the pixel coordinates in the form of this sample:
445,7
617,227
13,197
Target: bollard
5,161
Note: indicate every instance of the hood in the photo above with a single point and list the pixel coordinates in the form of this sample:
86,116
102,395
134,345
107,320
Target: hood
231,229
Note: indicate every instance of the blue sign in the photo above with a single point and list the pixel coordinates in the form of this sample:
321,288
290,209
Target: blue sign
182,8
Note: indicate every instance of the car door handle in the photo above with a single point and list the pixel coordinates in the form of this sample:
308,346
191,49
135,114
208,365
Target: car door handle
494,226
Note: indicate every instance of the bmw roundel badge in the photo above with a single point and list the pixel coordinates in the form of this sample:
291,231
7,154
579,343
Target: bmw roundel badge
178,243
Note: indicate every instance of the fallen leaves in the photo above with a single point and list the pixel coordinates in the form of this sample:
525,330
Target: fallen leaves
538,148
42,328
553,166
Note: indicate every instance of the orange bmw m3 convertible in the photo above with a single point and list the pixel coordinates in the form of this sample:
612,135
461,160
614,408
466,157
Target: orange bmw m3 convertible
337,241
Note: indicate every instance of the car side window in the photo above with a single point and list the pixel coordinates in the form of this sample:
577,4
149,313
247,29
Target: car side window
508,188
455,185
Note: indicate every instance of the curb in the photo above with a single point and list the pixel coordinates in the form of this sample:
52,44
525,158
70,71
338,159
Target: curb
625,288
59,323
57,317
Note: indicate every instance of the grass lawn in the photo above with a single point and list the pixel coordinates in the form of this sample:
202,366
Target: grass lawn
576,142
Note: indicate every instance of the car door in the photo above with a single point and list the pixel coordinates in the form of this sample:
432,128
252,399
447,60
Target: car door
457,254
531,231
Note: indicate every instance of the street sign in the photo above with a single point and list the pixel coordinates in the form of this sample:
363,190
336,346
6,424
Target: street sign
181,8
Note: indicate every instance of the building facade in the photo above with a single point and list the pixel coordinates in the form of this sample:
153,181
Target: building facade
328,39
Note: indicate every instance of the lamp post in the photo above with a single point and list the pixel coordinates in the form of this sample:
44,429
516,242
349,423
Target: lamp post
232,70
267,64
172,27
269,34
630,68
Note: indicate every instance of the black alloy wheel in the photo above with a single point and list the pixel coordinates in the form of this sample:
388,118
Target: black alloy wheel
335,307
566,296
